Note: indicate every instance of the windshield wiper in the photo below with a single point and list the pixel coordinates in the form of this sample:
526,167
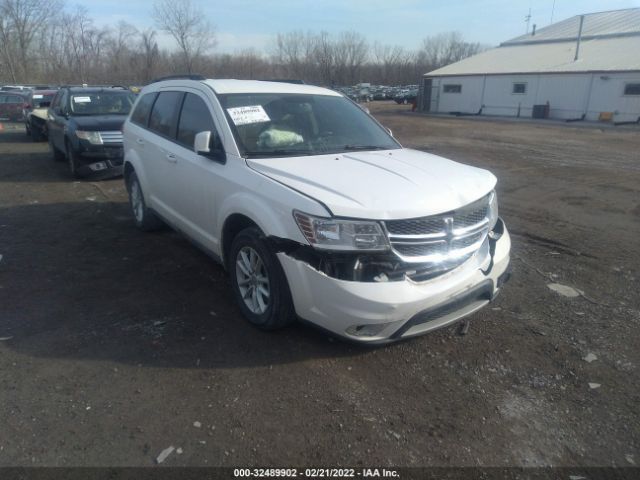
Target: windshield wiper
364,147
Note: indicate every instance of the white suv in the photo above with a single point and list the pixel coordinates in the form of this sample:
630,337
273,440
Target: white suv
313,208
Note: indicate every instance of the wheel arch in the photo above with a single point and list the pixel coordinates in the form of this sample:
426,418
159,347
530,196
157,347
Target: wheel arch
273,218
233,225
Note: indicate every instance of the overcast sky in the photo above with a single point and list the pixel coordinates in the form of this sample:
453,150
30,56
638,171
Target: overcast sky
253,23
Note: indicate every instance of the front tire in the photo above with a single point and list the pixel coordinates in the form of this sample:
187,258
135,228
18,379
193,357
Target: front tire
73,162
57,155
258,282
144,218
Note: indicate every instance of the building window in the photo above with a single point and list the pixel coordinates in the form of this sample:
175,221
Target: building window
519,88
452,88
632,89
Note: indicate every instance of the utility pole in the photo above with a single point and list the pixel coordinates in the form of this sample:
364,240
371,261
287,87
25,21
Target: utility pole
553,10
527,19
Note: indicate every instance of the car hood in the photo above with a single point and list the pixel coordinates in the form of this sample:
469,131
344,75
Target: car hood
100,122
381,185
39,112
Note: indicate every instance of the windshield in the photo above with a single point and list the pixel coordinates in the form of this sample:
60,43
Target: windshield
42,99
102,103
269,124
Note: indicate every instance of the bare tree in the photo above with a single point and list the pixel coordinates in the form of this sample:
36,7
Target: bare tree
390,60
294,53
350,53
191,30
446,48
119,48
20,22
324,57
149,54
69,47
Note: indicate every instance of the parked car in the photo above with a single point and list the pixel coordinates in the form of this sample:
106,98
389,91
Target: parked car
314,209
12,105
36,112
405,97
15,88
85,128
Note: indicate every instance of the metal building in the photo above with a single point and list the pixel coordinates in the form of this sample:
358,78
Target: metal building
584,67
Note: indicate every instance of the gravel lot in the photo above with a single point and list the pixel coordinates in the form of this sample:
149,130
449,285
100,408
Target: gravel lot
115,345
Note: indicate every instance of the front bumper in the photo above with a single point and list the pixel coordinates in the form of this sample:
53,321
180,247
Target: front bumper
99,160
371,312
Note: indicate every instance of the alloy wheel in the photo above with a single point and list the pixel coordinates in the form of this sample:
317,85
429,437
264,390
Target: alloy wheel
252,280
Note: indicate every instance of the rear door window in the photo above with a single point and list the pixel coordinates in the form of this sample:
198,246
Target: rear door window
164,114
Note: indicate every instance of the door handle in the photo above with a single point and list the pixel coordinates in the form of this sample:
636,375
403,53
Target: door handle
172,158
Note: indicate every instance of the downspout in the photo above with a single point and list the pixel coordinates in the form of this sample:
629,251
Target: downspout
579,38
588,99
484,87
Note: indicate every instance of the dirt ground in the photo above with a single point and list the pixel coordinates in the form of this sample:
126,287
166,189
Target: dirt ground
114,343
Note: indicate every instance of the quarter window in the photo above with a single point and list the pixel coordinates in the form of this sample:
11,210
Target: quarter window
141,114
452,88
165,112
195,117
519,88
632,89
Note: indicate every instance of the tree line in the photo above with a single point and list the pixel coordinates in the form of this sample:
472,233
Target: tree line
42,41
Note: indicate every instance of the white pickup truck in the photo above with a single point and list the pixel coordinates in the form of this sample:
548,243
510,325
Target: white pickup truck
314,209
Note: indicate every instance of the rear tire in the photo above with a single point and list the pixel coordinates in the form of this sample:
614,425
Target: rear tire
259,284
144,218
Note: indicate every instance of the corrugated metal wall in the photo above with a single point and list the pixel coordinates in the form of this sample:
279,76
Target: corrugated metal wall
569,95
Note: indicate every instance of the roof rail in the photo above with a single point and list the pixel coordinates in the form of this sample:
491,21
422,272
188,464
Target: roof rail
85,85
178,77
284,80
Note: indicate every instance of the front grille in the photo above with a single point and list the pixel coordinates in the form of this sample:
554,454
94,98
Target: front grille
449,238
415,226
111,137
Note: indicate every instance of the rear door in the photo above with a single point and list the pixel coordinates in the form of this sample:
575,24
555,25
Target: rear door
159,158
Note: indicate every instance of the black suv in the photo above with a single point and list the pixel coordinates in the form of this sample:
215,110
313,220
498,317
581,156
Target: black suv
85,127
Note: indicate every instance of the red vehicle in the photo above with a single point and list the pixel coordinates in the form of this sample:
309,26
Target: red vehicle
12,105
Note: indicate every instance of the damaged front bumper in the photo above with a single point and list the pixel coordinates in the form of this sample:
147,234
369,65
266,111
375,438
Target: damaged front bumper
382,311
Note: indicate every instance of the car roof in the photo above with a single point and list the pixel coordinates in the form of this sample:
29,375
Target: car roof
226,86
259,86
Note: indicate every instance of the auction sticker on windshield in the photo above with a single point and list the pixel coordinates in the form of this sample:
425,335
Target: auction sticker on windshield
247,115
82,99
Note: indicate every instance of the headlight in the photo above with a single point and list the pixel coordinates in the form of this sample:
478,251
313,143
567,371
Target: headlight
493,210
92,137
332,234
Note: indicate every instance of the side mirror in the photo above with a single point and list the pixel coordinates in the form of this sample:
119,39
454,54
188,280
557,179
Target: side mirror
201,143
57,111
202,146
